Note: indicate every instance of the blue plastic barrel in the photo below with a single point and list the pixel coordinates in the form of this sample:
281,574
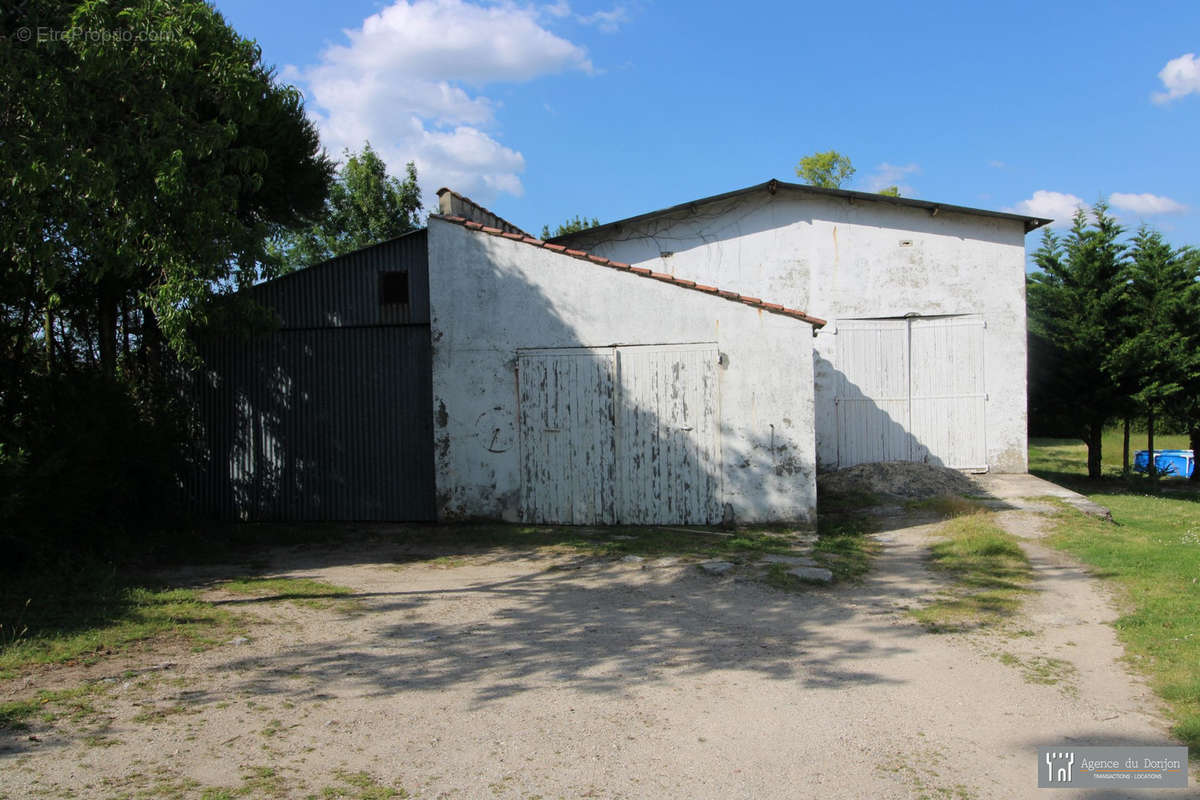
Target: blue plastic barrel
1178,463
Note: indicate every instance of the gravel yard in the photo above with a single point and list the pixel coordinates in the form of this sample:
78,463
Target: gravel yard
549,675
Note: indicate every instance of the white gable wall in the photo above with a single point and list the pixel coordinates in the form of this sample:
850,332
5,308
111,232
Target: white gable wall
868,259
491,297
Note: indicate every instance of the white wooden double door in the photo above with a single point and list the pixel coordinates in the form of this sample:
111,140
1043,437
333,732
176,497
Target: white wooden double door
912,389
620,435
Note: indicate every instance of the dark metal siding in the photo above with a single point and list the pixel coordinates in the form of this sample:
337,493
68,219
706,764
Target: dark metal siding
344,291
329,418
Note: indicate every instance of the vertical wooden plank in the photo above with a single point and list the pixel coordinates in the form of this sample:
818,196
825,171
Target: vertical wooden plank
949,396
872,400
567,441
667,449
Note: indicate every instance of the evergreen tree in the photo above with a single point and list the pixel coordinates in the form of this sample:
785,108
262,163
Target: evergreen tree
1157,357
1075,316
574,225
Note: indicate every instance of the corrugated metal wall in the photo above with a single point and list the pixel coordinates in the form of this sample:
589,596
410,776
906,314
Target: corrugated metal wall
328,418
344,291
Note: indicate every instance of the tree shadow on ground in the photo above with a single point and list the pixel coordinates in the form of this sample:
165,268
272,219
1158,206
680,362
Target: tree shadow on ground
595,626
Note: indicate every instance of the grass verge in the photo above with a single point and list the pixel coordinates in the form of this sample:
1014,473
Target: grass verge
1153,556
93,612
989,571
947,505
301,591
48,706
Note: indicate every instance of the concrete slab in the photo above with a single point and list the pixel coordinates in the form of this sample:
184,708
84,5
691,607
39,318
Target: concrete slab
1018,490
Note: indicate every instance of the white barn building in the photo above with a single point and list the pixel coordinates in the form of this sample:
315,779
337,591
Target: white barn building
570,388
923,357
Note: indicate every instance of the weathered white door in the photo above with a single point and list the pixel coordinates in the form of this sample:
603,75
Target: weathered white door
872,396
948,397
620,435
668,456
567,441
912,389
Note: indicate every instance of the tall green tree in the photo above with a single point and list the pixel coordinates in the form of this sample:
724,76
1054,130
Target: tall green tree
144,169
828,170
1076,301
573,225
147,153
366,206
1157,357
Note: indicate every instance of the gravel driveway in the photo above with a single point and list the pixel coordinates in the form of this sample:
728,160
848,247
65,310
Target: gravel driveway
555,676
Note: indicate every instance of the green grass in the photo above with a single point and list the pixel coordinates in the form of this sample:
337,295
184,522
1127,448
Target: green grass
947,505
360,786
843,546
51,705
301,591
1152,555
85,615
989,571
1065,460
839,502
1043,670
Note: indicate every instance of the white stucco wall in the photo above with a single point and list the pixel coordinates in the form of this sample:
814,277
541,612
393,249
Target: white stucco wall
491,296
841,260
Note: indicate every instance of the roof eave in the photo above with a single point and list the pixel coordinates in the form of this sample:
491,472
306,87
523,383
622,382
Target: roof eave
774,185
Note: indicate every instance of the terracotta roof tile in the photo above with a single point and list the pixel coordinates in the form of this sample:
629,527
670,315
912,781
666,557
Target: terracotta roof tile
775,308
463,199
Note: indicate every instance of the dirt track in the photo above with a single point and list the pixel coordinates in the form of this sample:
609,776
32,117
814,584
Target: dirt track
518,677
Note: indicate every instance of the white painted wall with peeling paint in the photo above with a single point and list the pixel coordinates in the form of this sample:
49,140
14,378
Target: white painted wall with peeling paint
490,297
839,260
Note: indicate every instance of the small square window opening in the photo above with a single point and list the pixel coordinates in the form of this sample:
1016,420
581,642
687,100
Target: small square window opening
393,288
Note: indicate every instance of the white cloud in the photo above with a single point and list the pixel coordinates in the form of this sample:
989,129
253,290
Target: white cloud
1181,76
559,10
408,82
1145,204
1057,206
994,164
886,175
607,21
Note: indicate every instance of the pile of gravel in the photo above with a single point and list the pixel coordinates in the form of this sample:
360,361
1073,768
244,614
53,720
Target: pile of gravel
897,479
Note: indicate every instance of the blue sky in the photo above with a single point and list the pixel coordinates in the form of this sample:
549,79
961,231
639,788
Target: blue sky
546,110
